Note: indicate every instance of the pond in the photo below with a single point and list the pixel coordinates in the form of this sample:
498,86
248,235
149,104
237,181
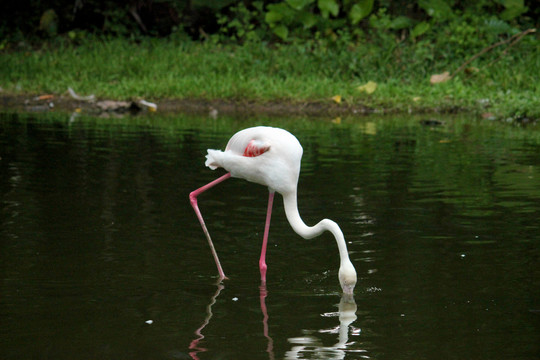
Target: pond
102,256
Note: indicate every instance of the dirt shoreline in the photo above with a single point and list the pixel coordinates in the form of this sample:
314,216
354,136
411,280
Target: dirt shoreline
64,103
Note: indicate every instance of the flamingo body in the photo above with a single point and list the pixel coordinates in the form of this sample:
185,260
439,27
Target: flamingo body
271,157
263,155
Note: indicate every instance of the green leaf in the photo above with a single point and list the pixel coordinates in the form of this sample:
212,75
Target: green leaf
273,17
278,12
234,23
298,4
497,26
438,9
360,10
420,29
328,7
401,22
514,8
281,31
307,19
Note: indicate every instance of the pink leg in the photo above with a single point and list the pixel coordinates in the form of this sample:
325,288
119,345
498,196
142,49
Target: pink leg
193,199
262,260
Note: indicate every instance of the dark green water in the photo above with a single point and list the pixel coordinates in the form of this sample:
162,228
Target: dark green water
97,239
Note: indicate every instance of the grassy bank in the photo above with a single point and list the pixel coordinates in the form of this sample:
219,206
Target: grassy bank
506,85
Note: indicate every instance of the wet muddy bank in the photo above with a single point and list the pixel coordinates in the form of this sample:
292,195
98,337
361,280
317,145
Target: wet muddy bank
44,103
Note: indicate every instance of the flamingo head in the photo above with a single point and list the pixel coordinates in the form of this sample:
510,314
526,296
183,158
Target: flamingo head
347,277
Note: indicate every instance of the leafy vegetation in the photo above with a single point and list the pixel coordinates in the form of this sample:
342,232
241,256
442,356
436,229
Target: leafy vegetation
250,20
482,56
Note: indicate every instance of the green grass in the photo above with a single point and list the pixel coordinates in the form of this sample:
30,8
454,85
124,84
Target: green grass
295,73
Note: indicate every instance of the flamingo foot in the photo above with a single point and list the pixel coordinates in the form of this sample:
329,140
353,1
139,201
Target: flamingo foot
221,279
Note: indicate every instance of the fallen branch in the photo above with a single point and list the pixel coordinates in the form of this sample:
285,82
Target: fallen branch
518,38
514,39
135,14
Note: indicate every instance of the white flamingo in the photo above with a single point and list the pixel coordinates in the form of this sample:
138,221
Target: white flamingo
271,157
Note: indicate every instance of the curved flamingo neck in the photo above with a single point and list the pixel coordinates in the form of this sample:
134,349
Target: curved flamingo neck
308,232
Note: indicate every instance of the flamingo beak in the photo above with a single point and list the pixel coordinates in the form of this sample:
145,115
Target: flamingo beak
348,289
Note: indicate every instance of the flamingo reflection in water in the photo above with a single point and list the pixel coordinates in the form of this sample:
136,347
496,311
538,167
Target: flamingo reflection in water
301,345
311,347
195,345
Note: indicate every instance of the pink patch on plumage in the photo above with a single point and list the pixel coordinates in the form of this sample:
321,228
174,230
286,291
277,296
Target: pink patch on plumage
253,149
